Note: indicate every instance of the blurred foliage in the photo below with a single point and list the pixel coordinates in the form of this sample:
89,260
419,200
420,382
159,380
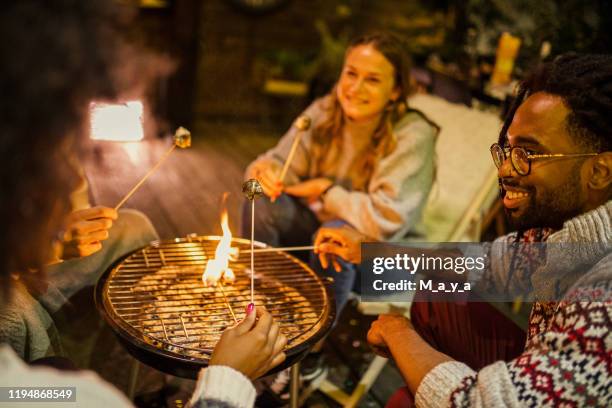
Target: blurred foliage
457,33
569,25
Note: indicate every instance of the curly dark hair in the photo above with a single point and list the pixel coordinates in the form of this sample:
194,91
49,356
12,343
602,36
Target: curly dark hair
57,55
584,82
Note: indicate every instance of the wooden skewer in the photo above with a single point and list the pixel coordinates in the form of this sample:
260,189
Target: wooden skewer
302,123
229,306
296,142
284,249
182,139
146,176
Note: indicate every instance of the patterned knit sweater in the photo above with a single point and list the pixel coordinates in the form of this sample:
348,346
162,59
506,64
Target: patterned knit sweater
568,356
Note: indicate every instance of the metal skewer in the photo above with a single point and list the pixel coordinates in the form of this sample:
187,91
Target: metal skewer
146,258
162,258
164,327
252,190
184,328
229,306
284,249
182,139
252,252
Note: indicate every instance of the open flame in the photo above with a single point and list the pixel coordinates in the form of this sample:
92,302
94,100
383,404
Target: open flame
218,268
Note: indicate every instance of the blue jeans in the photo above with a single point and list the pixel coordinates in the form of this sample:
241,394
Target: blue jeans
288,222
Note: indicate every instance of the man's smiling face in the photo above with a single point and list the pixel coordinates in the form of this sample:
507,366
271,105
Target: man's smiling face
554,190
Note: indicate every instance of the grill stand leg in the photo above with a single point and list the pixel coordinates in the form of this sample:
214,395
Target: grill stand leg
294,383
133,380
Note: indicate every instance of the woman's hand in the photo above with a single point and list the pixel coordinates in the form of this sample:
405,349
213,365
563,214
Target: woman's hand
85,230
309,189
343,241
254,346
267,172
386,327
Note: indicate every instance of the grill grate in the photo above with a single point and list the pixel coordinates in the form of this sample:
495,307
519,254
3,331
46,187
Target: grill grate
157,295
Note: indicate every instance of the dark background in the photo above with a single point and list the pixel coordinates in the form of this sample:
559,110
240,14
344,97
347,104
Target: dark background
226,52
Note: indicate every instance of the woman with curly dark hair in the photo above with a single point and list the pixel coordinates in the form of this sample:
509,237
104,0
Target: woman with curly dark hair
58,56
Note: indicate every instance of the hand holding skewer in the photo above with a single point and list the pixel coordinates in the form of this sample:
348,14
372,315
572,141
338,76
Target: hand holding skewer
85,229
342,242
182,139
269,171
253,346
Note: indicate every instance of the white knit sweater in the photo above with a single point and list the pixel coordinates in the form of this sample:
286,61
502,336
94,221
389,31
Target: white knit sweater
217,386
568,356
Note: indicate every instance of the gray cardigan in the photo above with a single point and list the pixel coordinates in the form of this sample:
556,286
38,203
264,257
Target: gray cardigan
397,192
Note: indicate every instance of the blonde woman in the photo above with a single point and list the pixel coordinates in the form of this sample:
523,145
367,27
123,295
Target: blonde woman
366,160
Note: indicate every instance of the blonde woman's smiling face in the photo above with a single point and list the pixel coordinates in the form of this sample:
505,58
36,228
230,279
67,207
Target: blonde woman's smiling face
366,84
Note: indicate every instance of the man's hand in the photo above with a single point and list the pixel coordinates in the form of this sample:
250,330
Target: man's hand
343,241
85,230
386,327
394,335
311,189
254,346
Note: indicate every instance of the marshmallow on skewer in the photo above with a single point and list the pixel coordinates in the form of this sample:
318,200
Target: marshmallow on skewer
252,190
182,139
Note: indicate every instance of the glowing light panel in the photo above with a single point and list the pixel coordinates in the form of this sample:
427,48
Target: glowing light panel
118,122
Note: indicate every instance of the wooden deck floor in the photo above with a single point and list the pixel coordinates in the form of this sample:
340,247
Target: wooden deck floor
183,197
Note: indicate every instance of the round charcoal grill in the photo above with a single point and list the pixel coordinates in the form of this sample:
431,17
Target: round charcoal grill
155,301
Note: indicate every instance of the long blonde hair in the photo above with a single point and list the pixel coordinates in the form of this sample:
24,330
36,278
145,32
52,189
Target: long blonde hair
328,134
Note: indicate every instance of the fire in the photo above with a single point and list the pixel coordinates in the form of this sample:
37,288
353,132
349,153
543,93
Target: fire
218,268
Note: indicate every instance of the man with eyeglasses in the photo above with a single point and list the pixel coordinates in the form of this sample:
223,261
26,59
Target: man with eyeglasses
554,159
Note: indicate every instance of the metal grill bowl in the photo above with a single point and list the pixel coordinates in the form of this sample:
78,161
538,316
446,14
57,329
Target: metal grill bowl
155,301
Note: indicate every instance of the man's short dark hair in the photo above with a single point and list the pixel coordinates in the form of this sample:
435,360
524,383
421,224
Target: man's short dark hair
584,82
